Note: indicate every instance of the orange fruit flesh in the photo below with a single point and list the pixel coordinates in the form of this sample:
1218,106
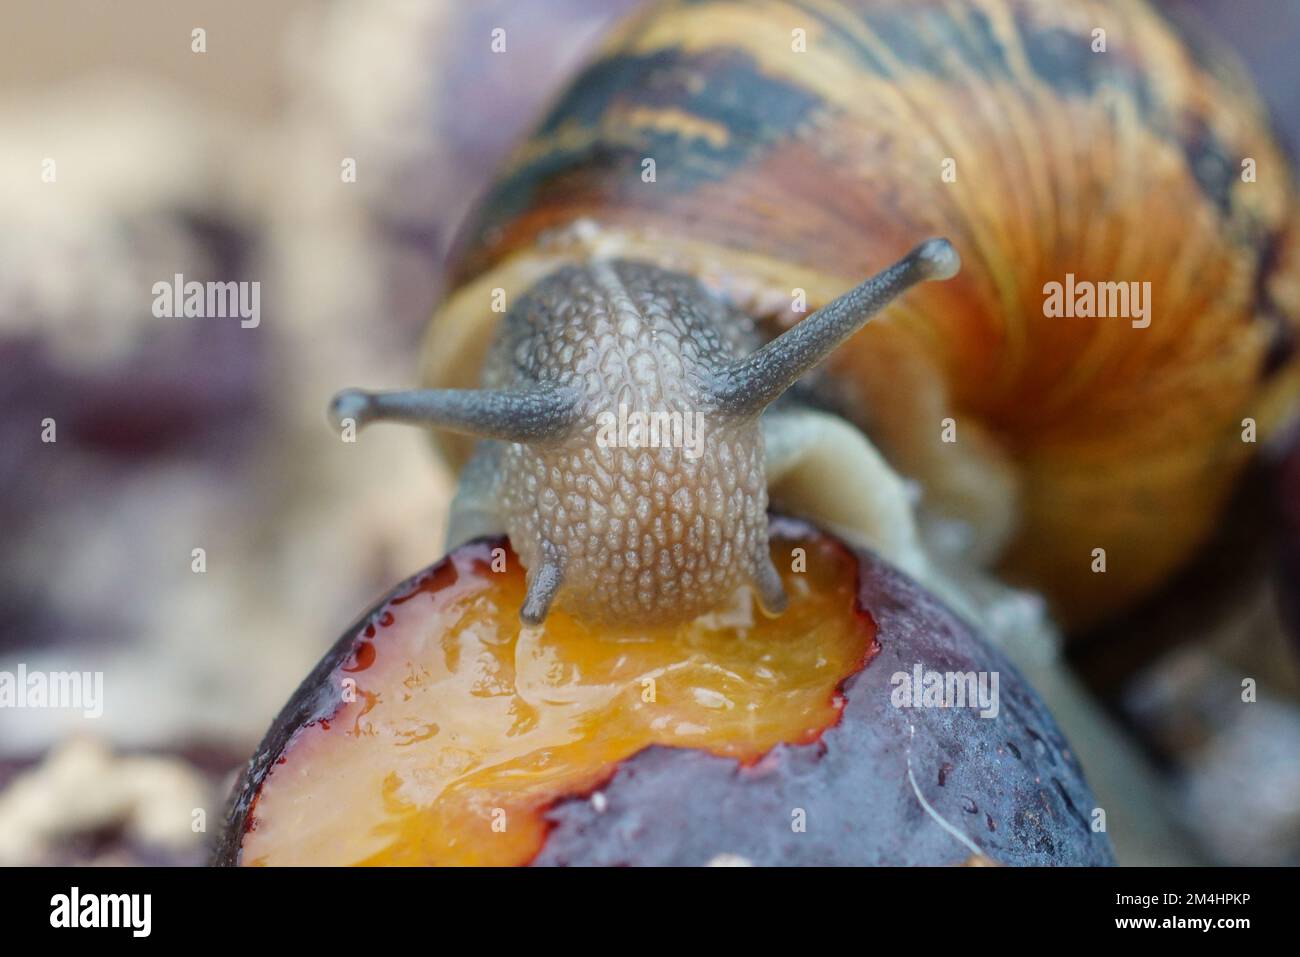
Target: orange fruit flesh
465,726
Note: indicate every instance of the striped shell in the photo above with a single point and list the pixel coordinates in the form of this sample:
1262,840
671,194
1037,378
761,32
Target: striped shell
777,169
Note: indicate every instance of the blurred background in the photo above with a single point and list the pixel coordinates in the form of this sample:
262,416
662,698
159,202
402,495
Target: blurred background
175,435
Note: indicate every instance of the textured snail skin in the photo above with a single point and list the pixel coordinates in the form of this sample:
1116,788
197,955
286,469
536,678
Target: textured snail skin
778,170
641,532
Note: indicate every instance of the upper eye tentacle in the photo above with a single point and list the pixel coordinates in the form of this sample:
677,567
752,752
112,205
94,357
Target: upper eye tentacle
749,385
534,415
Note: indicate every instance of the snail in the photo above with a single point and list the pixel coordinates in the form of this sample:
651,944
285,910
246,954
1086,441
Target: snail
629,532
779,152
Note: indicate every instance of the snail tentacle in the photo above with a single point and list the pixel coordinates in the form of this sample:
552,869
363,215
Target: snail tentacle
543,585
531,415
767,583
749,385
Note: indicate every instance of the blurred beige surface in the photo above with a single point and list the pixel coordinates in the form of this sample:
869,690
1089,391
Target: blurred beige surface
53,42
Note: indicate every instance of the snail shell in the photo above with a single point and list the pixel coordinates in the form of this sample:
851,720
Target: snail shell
996,123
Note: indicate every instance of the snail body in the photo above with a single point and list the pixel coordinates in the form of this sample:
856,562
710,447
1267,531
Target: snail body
779,152
623,528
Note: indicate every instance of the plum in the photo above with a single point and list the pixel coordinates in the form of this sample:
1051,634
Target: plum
868,724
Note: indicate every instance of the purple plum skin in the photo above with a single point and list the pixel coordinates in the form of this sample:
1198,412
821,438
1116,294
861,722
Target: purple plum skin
884,786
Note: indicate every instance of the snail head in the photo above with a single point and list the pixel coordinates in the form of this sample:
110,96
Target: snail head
623,452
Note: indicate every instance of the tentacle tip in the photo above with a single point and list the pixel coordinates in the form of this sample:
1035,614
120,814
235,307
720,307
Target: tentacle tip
773,599
774,605
937,259
350,404
532,614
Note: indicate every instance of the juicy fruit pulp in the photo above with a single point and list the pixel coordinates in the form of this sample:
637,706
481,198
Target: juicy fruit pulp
456,727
